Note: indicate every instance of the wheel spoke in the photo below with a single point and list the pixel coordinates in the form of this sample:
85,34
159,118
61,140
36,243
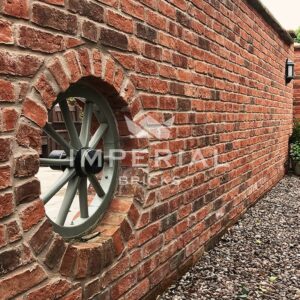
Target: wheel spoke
67,202
83,198
86,124
50,162
95,183
48,128
98,135
66,176
69,124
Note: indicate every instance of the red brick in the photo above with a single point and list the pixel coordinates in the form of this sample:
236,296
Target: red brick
35,112
73,65
38,40
41,237
97,63
5,177
27,191
85,63
52,290
9,118
68,261
148,233
21,281
75,295
140,290
16,8
46,90
17,64
90,31
146,67
119,22
59,74
55,253
13,231
123,285
55,2
31,214
14,258
133,8
113,39
5,148
26,165
126,60
51,17
28,136
3,241
93,11
6,32
7,92
153,246
6,205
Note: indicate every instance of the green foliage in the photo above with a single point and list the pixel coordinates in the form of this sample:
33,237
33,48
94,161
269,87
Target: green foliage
297,39
295,151
295,137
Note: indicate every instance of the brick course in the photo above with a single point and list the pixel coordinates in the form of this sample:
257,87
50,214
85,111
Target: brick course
216,68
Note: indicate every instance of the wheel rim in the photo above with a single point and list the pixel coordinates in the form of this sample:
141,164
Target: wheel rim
81,160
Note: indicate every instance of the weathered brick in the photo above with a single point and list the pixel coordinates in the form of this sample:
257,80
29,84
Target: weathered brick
5,177
146,32
6,204
92,10
41,237
26,165
21,281
90,31
55,2
16,8
73,65
123,285
38,40
113,39
9,118
6,32
14,258
13,63
7,92
13,231
54,289
5,148
46,91
59,74
31,214
27,191
35,112
119,22
133,8
51,17
28,136
55,253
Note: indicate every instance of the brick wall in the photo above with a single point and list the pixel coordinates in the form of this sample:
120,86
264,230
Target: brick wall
217,67
297,84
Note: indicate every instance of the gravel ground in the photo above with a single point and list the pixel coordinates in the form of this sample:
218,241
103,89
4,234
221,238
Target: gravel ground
258,259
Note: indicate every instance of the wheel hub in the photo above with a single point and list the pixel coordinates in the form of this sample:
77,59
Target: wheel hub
88,161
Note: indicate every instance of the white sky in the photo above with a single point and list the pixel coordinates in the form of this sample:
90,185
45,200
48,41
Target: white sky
287,12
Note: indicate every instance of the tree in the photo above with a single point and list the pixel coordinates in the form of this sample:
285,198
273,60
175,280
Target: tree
297,39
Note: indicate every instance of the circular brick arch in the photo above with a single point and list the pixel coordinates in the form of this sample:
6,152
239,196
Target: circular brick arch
90,255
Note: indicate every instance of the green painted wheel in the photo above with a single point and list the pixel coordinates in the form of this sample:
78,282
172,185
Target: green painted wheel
85,161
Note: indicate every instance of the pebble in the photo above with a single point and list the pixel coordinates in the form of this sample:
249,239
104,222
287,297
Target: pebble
259,258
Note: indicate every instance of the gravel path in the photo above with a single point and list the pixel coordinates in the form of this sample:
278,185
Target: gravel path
258,259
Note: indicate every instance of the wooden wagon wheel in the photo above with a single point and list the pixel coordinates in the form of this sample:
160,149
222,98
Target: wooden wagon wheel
81,160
